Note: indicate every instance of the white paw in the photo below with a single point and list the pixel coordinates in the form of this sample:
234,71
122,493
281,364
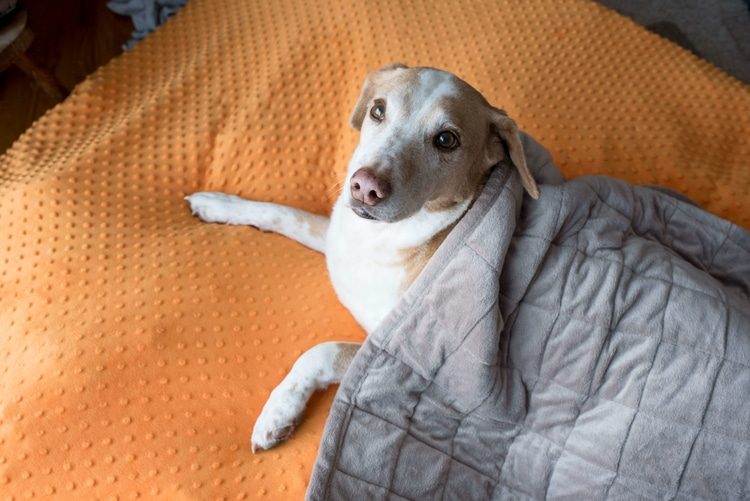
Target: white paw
279,417
216,207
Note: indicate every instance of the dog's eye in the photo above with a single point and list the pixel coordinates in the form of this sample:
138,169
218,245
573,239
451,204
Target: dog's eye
377,112
446,140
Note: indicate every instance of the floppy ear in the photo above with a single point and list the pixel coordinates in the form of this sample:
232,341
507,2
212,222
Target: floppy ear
505,129
368,88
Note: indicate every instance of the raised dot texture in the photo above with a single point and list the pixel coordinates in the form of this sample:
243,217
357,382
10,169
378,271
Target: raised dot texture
138,345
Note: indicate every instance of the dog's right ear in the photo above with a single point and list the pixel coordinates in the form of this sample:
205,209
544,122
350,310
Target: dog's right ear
505,130
368,90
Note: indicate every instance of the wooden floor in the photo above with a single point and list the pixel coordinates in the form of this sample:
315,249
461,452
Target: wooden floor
71,39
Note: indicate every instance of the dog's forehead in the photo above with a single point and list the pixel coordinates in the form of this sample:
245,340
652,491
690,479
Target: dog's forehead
427,91
432,86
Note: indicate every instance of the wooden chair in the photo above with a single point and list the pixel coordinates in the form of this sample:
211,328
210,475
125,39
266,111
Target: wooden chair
15,39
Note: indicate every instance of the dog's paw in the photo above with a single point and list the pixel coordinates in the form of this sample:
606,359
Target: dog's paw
278,419
214,207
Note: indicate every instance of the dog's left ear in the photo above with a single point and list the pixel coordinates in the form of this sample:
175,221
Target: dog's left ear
505,131
368,90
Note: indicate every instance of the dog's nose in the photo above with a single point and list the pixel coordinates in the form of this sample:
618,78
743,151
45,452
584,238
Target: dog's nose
368,187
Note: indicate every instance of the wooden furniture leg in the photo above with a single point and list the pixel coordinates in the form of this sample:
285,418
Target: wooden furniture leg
44,79
15,39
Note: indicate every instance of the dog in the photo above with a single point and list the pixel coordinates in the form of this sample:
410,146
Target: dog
428,141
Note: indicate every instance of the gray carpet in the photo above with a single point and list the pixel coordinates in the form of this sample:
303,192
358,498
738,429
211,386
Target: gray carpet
716,30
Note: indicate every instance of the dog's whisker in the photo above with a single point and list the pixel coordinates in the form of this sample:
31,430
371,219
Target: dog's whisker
335,189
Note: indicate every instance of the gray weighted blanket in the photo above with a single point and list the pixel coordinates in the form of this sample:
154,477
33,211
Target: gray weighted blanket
592,344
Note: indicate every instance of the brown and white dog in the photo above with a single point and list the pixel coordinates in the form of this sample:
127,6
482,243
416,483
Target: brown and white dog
427,142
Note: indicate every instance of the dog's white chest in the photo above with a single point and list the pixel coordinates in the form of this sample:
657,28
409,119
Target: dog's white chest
366,260
364,267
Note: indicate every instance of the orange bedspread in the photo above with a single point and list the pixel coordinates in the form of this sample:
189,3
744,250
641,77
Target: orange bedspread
137,345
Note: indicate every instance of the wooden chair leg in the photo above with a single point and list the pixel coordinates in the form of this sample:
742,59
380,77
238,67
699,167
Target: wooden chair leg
44,79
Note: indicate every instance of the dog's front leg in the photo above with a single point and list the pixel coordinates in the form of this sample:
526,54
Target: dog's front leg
304,227
316,369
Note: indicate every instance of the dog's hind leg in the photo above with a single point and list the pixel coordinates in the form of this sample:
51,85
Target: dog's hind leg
316,369
304,227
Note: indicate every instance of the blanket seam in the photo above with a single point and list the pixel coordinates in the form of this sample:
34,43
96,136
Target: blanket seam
407,433
731,224
496,481
705,408
675,208
536,266
645,383
590,376
360,479
691,347
431,376
345,426
568,267
450,463
466,335
718,249
462,463
647,414
480,256
635,272
505,460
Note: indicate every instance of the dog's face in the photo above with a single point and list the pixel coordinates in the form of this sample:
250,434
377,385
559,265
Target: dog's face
427,140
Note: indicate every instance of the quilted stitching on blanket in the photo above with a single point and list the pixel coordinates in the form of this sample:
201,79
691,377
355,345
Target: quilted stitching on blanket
594,345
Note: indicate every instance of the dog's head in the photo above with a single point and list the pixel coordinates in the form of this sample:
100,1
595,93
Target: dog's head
427,140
